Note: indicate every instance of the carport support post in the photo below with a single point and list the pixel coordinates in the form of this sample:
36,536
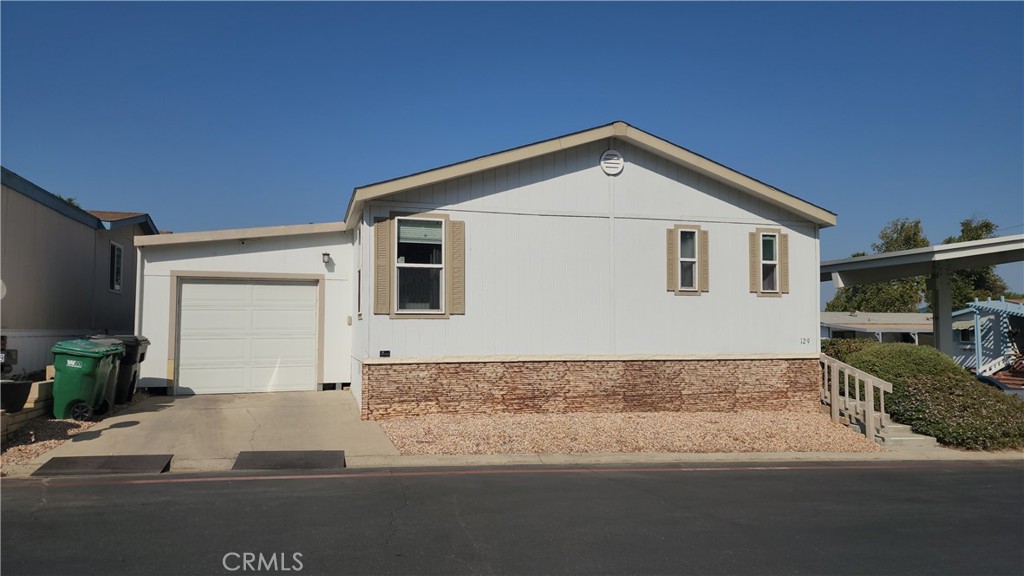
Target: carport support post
977,341
942,308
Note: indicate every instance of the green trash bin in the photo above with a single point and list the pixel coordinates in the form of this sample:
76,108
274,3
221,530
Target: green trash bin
84,380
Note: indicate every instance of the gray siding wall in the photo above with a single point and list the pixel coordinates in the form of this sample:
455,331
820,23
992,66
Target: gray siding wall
56,272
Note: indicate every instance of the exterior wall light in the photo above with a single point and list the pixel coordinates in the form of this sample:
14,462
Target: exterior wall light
327,257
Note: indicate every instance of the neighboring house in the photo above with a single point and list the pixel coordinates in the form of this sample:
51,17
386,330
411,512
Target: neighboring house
605,270
910,327
66,272
988,334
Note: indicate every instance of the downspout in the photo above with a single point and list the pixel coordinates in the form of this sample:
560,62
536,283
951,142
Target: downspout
139,265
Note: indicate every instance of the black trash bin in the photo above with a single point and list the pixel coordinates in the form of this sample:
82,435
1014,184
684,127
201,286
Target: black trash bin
128,372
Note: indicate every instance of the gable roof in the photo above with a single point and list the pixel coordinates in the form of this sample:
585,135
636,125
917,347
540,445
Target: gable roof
95,219
619,130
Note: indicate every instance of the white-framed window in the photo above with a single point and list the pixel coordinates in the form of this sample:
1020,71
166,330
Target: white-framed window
689,269
419,266
769,262
116,257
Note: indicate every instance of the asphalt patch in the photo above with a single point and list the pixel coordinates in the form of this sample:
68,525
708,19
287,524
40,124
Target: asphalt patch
290,460
93,465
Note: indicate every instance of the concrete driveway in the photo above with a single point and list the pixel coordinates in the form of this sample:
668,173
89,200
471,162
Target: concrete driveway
207,432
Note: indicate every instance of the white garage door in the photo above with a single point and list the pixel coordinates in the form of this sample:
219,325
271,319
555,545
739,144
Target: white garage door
247,336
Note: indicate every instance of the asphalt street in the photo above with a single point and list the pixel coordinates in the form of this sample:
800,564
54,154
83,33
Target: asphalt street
801,518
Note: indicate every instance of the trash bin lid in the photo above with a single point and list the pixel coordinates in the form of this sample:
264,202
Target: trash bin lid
126,338
91,348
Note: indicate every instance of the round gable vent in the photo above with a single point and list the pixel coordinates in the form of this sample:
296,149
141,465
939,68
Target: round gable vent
612,162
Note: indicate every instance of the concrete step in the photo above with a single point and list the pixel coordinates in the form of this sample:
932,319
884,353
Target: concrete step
900,436
895,429
911,441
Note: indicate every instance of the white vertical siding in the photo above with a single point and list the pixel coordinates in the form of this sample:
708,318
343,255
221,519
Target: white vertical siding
563,259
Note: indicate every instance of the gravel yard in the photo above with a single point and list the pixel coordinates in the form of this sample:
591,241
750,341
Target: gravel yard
702,432
41,435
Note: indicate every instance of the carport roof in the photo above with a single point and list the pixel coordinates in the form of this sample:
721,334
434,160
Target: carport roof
923,261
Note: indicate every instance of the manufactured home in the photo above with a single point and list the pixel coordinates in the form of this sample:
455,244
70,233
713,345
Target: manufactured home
66,272
605,270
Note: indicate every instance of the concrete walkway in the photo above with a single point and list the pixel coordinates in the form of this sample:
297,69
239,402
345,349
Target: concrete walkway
207,432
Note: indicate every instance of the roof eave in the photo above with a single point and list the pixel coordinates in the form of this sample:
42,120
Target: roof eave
239,234
144,221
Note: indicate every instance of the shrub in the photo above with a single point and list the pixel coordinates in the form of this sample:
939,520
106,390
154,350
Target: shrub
935,396
841,348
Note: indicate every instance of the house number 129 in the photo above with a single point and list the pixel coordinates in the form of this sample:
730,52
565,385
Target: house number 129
805,340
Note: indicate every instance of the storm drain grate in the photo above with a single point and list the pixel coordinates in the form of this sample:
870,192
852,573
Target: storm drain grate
290,460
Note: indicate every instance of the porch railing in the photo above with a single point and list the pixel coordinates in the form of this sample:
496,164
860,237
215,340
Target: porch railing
850,394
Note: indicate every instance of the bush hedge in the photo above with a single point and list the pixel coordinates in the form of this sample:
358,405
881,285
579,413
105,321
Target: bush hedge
841,348
935,396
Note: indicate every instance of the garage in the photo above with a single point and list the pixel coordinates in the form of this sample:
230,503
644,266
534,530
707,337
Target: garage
248,310
247,336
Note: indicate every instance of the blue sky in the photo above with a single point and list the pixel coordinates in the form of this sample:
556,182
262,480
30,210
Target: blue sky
226,115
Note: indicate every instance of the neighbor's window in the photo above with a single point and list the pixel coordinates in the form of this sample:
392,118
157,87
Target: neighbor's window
966,336
769,262
688,269
115,267
420,265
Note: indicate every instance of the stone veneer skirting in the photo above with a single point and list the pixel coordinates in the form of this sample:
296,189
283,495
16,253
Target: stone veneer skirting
395,390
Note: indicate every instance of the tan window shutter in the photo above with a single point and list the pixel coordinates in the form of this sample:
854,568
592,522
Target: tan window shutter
755,263
382,267
672,260
784,263
457,268
704,283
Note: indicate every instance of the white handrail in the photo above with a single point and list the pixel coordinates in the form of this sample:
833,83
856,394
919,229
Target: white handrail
836,374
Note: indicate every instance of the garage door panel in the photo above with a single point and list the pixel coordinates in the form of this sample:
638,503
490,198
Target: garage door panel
298,293
247,336
283,320
215,380
215,292
279,378
281,348
214,350
205,320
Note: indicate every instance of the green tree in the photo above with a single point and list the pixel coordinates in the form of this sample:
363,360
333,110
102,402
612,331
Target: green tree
901,295
980,283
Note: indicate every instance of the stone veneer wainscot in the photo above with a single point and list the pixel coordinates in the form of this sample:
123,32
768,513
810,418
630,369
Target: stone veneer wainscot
401,389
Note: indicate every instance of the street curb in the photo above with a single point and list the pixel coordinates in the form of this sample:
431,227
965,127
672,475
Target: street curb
935,454
483,460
